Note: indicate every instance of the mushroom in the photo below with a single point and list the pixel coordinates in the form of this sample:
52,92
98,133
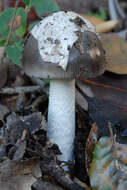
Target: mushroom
62,47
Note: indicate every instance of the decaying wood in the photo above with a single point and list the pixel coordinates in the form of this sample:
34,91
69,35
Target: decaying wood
59,175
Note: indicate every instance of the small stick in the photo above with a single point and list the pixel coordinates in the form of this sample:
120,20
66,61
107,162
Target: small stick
12,23
18,90
112,138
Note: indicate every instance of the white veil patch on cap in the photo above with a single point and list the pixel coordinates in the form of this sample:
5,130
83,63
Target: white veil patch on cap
57,33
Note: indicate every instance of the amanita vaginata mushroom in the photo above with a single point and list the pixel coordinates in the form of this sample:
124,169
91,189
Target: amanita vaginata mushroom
62,47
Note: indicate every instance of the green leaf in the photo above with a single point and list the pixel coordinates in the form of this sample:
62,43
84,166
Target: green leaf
101,14
42,6
102,158
28,5
2,42
27,2
14,52
32,25
46,81
22,29
18,44
5,18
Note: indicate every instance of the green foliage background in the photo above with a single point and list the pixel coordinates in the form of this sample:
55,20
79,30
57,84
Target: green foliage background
14,48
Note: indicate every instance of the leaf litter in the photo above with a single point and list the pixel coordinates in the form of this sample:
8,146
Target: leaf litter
28,160
24,140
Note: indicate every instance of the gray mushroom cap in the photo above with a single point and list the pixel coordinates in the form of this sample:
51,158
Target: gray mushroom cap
86,56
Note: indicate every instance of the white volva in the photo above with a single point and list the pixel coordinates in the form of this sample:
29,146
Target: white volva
61,116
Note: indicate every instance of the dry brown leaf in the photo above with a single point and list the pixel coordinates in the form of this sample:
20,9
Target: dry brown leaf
101,25
109,103
90,144
116,53
93,19
106,26
19,175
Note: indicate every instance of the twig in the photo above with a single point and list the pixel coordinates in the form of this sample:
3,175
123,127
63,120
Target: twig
112,138
59,175
18,90
12,23
42,84
38,82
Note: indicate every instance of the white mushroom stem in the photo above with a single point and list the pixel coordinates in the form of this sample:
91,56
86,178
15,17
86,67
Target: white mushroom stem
61,116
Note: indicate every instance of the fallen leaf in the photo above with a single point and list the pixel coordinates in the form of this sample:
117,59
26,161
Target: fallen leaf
116,53
19,175
9,101
34,121
90,144
106,26
41,184
19,153
3,111
109,103
107,170
101,25
93,19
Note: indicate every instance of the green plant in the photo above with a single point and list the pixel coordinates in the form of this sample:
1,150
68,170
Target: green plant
14,25
101,14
